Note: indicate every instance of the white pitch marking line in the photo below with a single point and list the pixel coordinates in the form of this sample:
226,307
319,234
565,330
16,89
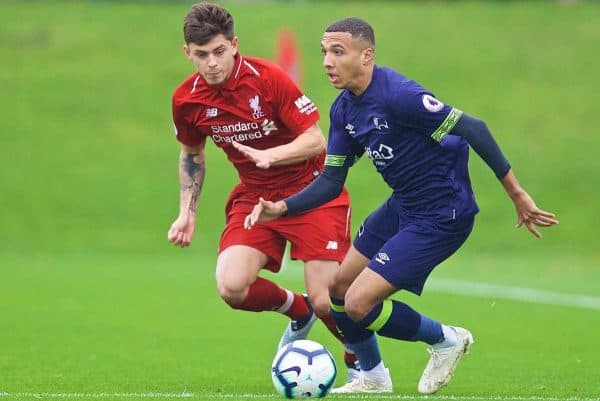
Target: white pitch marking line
471,398
487,290
185,394
96,395
490,290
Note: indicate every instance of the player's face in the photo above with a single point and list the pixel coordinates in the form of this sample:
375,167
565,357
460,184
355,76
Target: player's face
345,60
215,59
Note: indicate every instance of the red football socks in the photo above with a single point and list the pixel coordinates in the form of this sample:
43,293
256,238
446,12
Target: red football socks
265,295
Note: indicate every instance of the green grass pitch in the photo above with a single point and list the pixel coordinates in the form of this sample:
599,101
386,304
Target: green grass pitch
94,302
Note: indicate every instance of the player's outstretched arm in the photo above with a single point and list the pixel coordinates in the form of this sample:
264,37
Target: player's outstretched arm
476,132
528,213
265,210
191,178
306,145
324,188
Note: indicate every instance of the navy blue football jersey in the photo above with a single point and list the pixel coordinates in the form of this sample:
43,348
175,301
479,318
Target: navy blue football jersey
406,132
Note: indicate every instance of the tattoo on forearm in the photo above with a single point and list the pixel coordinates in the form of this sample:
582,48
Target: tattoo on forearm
192,178
194,199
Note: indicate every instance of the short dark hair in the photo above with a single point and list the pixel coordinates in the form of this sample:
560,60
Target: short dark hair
205,21
358,28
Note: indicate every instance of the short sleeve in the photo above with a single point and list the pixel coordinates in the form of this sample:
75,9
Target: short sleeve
296,110
185,132
342,149
416,107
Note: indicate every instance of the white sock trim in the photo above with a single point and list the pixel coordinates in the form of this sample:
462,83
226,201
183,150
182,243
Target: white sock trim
378,373
450,337
288,302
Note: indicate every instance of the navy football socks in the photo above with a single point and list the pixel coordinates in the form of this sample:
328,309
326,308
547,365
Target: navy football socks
397,320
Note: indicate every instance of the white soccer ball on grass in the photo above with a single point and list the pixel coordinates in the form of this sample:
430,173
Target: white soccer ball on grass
302,369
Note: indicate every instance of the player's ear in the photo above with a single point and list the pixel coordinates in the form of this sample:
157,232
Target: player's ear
187,51
368,56
234,44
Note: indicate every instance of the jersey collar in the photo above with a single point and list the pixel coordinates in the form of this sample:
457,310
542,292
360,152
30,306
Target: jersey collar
359,98
236,74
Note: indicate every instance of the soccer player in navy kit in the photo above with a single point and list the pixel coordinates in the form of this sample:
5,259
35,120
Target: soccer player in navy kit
420,146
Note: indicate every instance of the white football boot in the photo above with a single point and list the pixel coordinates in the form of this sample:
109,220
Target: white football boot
364,384
443,362
295,332
353,371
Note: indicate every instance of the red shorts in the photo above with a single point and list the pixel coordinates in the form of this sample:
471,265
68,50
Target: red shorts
319,234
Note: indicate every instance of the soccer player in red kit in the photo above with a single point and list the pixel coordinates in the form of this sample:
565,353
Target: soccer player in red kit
268,128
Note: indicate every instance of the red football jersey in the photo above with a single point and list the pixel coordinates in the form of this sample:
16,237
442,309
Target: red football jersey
258,106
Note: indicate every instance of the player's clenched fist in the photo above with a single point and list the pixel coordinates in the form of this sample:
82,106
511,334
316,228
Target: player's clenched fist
181,231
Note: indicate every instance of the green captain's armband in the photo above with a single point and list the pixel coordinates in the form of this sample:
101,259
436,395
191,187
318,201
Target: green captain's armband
339,161
449,123
335,160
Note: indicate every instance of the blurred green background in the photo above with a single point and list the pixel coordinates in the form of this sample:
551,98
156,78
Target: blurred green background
93,297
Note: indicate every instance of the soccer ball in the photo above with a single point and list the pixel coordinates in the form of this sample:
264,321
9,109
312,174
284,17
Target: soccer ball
303,368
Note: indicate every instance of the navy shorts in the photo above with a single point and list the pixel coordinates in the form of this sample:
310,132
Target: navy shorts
404,249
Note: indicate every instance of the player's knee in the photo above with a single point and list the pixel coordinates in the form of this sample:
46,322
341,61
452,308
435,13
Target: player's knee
355,308
232,296
320,305
337,286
